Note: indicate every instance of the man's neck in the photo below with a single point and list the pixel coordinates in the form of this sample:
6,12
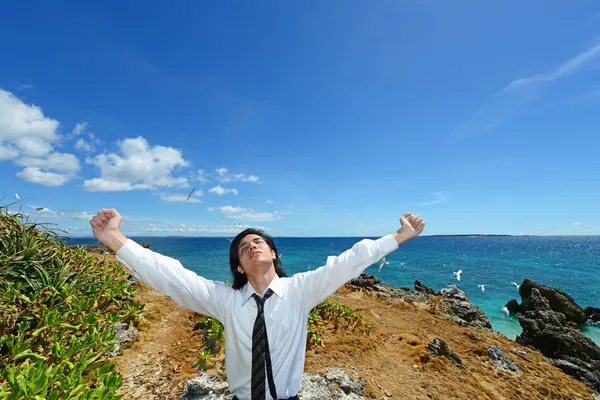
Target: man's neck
262,282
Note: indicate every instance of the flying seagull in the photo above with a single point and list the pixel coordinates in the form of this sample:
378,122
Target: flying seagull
516,284
505,311
482,287
457,274
17,196
382,263
190,194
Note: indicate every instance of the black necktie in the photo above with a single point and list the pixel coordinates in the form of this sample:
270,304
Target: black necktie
260,352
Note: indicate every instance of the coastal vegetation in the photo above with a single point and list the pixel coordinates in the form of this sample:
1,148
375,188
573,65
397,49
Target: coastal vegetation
58,306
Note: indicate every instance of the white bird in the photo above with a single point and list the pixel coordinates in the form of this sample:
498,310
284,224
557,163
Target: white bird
17,196
382,263
280,256
190,194
238,224
482,287
230,239
505,311
516,284
457,274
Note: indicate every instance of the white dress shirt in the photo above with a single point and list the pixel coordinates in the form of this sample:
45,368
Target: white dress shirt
286,312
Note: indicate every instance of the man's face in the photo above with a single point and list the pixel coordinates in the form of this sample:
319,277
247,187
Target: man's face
254,253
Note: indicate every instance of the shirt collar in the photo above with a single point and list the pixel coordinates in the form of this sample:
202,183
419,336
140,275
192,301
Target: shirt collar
276,286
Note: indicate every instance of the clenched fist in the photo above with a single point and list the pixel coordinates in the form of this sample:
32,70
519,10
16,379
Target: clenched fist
105,226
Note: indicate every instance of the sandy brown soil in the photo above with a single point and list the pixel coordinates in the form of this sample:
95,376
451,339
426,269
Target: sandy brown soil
393,360
162,355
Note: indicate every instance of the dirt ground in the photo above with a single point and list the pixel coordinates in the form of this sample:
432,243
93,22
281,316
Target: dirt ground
392,361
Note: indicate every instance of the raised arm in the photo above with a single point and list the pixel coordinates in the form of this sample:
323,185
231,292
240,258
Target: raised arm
164,274
321,283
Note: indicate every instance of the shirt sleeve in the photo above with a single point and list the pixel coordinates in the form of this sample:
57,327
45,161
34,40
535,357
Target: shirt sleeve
166,275
315,286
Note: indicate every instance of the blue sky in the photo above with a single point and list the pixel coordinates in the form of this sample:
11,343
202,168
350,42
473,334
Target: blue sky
306,119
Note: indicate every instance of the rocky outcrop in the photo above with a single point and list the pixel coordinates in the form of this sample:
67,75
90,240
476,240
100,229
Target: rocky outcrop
369,282
460,310
558,301
207,387
123,333
438,348
421,287
592,314
455,303
334,384
557,336
502,361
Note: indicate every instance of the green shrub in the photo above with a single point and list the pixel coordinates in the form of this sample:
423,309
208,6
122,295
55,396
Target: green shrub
58,305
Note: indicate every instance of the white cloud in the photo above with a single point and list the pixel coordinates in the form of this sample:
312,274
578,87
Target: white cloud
219,190
19,120
80,127
244,178
201,177
85,146
55,161
27,138
269,201
103,185
568,67
440,197
246,214
577,224
181,198
8,153
138,166
35,175
221,171
31,146
224,177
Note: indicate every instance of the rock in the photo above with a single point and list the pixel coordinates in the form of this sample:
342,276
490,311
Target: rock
467,314
372,283
367,281
411,296
206,387
596,396
577,371
438,347
123,333
454,293
334,384
502,361
513,306
421,287
132,281
343,381
559,339
592,314
475,336
557,299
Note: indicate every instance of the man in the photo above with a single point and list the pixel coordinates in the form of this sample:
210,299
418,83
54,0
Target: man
265,313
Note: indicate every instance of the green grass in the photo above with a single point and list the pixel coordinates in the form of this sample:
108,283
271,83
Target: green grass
58,305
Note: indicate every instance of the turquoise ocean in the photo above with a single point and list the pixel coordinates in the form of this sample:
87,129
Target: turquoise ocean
569,263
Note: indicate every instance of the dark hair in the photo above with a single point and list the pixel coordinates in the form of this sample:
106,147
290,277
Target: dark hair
239,279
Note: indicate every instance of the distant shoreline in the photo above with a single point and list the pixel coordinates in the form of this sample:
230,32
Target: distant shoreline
473,234
351,237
